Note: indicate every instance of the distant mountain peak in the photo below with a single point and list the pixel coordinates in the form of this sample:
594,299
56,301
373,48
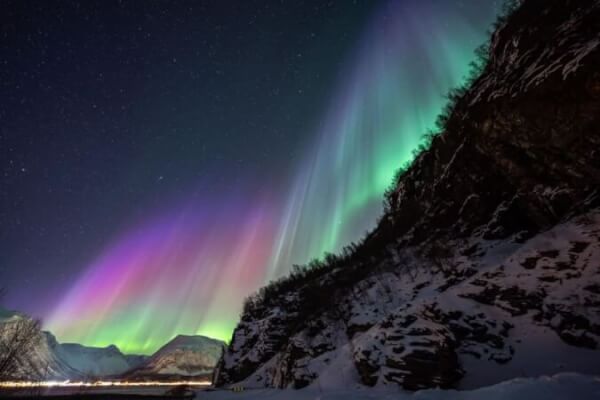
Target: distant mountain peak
184,355
192,340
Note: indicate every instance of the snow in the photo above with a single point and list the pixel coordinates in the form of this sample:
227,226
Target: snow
558,387
539,349
522,339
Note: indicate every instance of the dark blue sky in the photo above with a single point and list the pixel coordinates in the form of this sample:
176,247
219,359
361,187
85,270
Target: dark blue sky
112,110
109,108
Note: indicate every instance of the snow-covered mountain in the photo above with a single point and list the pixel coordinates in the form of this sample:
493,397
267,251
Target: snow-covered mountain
486,263
47,359
36,361
183,356
97,361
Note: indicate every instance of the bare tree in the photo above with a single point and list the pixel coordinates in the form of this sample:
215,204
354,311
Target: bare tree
18,337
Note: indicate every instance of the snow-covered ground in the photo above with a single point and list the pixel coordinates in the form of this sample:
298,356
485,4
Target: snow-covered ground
564,386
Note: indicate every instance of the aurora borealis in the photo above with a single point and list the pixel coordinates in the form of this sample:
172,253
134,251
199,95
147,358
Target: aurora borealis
388,97
212,244
179,255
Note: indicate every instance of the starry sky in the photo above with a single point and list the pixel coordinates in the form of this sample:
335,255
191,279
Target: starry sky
162,160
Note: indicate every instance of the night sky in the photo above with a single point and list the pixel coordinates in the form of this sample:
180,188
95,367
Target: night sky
162,160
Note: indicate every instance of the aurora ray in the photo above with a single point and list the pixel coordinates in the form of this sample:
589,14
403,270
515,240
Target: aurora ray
188,269
409,58
182,272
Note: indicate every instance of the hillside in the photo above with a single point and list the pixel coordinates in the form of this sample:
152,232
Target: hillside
484,266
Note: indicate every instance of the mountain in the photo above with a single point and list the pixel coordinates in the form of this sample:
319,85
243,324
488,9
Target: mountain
46,359
35,361
97,361
485,264
183,356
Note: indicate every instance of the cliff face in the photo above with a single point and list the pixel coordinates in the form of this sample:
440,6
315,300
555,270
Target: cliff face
486,266
524,140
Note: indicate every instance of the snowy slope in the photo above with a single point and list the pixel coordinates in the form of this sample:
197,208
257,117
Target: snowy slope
505,318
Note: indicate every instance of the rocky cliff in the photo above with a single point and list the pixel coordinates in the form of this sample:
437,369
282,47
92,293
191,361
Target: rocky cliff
485,265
